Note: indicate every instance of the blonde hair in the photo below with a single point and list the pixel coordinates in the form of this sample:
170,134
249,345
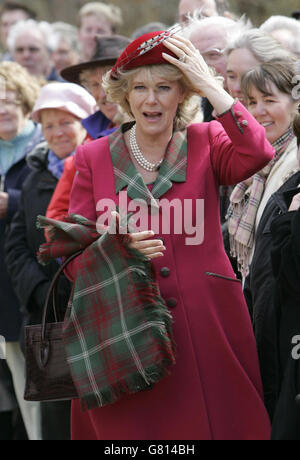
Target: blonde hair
117,91
17,79
111,13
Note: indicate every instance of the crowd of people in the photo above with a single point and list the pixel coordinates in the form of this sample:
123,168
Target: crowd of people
205,110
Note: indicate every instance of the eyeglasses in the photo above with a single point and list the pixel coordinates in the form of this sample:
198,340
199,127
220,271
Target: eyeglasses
213,53
31,49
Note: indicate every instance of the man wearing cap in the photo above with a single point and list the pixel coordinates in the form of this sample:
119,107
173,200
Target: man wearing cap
89,75
103,122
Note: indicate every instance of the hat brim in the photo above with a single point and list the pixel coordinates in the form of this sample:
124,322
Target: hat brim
68,107
72,73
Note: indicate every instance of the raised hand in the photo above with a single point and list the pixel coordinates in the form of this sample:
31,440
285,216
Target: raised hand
200,76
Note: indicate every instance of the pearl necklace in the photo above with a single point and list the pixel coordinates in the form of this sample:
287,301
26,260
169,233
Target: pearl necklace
139,157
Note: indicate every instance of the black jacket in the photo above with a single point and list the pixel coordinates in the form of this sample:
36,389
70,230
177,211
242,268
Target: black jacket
286,268
259,290
10,317
30,279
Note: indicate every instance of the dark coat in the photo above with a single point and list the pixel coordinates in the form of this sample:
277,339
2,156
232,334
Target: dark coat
286,268
97,125
259,290
10,316
31,281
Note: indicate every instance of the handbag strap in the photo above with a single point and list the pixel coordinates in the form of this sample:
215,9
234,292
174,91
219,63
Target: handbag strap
52,293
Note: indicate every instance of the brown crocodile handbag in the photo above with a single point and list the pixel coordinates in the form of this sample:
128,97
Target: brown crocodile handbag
48,376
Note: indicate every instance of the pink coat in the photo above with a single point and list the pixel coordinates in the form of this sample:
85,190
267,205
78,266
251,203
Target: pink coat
214,391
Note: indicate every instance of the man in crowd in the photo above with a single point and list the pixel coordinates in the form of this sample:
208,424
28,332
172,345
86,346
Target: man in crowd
96,18
31,44
10,14
210,35
89,75
206,8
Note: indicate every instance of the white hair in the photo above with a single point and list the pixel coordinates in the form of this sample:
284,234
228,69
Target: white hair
262,45
229,26
283,23
44,29
67,32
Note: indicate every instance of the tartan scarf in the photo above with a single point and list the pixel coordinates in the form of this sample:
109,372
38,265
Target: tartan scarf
117,329
244,203
173,168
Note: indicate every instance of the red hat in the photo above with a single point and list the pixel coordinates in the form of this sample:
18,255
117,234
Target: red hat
145,50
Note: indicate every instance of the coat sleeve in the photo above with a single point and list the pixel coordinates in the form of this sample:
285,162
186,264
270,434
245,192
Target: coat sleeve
82,196
60,201
286,251
82,199
239,147
22,265
13,203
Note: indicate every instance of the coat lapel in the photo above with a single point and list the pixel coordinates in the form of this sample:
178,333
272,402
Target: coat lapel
173,168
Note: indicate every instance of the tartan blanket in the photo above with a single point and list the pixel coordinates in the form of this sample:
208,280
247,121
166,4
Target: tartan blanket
117,330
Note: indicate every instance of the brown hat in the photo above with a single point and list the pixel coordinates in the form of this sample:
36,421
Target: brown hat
108,50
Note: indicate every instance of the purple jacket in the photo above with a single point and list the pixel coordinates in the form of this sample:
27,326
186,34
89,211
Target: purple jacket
97,125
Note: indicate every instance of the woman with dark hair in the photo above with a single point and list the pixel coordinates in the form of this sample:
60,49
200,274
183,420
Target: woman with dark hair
268,91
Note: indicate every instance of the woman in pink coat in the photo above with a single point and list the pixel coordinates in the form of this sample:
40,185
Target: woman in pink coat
214,389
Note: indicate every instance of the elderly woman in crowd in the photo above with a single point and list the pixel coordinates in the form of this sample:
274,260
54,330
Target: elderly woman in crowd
285,230
214,389
18,135
60,109
247,50
268,93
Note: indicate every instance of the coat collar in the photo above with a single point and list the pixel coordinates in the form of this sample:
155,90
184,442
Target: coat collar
173,168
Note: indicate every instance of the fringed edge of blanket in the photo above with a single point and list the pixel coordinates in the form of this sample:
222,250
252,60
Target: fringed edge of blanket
128,386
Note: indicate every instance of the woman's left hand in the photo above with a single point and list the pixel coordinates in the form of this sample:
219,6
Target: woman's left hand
200,76
189,61
295,203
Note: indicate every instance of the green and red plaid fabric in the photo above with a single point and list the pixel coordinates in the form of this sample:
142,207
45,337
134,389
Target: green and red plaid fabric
173,168
117,330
